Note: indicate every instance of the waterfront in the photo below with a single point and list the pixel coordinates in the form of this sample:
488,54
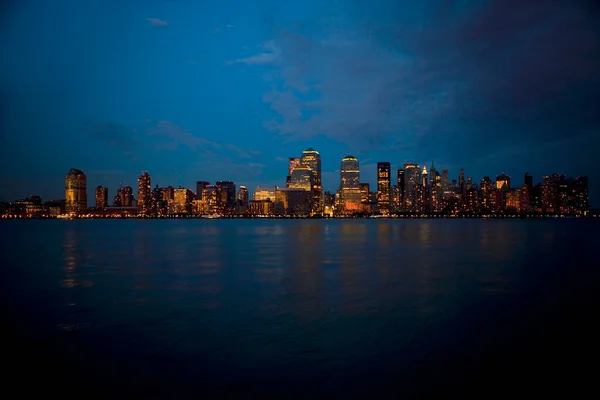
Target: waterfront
334,307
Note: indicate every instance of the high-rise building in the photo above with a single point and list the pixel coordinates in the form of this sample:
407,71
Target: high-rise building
383,186
487,191
401,188
435,189
292,163
200,186
101,197
445,182
182,200
124,197
350,184
225,195
312,159
75,191
412,179
302,178
528,180
461,180
144,193
264,194
503,182
364,193
243,197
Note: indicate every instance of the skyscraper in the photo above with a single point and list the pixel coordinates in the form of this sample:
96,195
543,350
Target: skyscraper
312,159
364,193
383,187
412,180
401,192
200,186
350,184
445,181
225,195
75,191
243,197
101,197
293,162
144,193
124,197
302,178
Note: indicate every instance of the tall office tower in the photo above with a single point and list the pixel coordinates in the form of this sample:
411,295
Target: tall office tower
243,196
124,197
293,162
200,186
435,189
182,200
302,178
101,197
550,197
364,193
432,172
582,205
225,196
461,180
350,184
412,179
312,159
383,187
401,193
503,182
528,180
487,191
445,181
144,193
424,176
75,191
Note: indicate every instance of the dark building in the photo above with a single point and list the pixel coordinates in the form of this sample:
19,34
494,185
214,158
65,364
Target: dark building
226,199
383,187
200,186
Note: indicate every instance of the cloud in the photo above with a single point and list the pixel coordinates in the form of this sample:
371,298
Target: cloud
175,136
270,54
156,22
429,77
229,26
115,135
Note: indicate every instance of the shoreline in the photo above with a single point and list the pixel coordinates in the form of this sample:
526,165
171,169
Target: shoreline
386,217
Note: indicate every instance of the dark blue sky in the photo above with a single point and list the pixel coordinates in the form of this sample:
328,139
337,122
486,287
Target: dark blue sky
228,89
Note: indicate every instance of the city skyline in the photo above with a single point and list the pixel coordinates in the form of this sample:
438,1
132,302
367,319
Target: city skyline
192,91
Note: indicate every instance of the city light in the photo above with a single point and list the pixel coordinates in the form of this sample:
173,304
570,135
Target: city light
416,193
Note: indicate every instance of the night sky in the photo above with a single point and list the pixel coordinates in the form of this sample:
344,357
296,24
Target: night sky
229,89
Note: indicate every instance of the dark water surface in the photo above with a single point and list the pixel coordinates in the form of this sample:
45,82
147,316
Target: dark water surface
400,308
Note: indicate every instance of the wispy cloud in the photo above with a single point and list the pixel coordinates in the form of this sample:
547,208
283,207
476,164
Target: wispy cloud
229,26
157,22
270,54
176,136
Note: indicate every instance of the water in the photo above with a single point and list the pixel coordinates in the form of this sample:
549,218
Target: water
398,308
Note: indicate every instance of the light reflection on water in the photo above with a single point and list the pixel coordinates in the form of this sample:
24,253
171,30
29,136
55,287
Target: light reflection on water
275,291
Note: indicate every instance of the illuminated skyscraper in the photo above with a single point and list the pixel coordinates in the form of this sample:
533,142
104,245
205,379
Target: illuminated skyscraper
243,196
302,178
101,197
412,179
364,193
350,184
75,191
292,163
503,182
312,159
383,187
264,194
144,193
124,197
182,201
